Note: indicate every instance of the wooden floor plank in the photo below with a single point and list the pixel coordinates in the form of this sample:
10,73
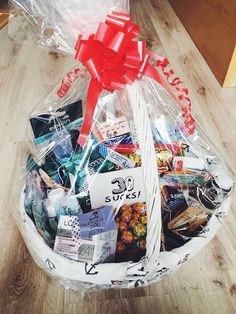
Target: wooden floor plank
207,283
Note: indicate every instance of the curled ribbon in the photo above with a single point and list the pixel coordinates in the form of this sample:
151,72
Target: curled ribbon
114,59
67,81
184,100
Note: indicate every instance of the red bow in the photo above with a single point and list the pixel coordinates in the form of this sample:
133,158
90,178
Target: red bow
113,60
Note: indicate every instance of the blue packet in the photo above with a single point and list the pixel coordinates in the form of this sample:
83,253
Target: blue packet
122,139
44,125
63,146
96,222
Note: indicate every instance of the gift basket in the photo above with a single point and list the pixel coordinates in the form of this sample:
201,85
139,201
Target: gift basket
121,186
56,24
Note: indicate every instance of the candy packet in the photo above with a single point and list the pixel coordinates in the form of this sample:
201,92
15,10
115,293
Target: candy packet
130,182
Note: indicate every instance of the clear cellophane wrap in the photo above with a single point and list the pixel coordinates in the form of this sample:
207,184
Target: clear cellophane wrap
143,194
56,24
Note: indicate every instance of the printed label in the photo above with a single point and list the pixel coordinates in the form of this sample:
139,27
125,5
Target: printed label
86,251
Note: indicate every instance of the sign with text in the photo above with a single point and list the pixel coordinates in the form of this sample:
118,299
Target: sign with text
116,127
117,188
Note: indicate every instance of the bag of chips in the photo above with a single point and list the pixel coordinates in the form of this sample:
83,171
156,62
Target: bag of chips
122,186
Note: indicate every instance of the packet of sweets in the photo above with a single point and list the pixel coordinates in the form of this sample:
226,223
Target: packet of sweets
188,221
99,249
132,230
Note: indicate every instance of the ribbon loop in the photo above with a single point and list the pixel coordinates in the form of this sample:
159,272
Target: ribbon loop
114,59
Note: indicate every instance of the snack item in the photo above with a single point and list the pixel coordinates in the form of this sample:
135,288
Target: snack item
45,125
100,248
132,232
116,158
189,163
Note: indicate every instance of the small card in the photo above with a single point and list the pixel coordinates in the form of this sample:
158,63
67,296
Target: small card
116,127
97,221
134,133
117,188
86,251
105,248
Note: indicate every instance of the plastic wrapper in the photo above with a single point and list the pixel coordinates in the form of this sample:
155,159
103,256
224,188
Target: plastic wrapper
131,205
56,24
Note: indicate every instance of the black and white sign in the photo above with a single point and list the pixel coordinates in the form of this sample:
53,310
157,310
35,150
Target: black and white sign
117,188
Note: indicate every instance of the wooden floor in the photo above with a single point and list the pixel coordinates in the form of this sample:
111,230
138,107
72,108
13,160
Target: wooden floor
207,283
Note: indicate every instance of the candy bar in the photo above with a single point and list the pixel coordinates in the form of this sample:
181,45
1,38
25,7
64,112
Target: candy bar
190,163
116,158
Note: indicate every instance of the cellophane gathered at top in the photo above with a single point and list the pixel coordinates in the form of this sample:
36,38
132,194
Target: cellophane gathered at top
56,24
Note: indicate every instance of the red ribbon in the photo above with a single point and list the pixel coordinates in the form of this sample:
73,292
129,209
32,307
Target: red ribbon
113,60
184,100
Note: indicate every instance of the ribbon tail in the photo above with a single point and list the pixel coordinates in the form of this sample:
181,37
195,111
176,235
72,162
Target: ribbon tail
94,92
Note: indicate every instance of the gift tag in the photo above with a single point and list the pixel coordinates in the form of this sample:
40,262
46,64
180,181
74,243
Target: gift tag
113,128
117,188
